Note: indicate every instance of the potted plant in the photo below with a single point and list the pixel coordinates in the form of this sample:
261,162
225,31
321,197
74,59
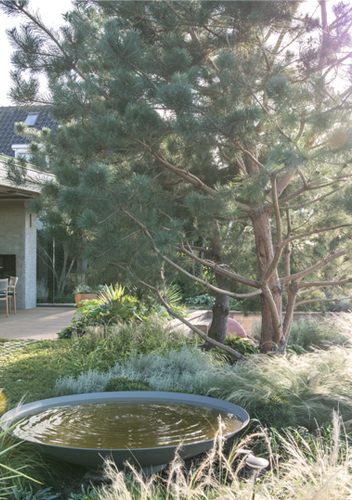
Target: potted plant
83,292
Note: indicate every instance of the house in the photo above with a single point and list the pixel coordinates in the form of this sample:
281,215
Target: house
18,247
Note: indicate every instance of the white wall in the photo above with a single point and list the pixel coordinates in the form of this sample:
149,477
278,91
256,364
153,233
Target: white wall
18,237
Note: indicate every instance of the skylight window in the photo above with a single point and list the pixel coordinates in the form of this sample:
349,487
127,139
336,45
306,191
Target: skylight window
31,119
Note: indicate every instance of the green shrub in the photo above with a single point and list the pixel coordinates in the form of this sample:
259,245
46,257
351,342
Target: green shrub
204,300
98,350
272,412
124,384
186,369
113,307
243,346
77,328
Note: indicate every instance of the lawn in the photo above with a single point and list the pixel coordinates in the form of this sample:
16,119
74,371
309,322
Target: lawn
29,369
301,409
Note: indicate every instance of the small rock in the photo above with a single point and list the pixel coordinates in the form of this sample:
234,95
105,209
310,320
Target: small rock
256,462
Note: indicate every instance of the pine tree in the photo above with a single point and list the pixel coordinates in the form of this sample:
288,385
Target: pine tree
211,132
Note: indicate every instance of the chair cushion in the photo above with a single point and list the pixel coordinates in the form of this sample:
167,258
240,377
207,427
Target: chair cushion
3,295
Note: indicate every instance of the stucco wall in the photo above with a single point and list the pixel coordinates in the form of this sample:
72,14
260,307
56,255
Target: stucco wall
18,237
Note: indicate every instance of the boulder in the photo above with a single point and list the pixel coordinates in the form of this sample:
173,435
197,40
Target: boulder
233,328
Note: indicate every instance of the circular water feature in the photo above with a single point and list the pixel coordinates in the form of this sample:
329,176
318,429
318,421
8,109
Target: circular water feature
144,428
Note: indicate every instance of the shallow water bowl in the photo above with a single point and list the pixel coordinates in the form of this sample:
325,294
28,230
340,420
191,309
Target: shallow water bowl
143,428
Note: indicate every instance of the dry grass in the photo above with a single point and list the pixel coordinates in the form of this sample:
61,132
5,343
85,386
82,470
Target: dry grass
315,470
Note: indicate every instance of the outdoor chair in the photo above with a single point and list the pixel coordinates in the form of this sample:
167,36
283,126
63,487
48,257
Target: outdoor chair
11,292
3,294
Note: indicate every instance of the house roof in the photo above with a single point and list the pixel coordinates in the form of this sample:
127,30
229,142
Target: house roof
32,187
12,114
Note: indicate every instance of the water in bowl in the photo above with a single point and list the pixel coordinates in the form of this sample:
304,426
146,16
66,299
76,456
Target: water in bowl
125,425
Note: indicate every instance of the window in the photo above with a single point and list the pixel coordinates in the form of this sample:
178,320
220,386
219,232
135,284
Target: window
21,150
31,119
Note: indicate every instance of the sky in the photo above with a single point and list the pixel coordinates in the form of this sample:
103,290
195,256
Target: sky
51,12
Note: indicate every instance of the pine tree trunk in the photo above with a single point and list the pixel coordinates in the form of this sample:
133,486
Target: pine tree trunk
221,308
271,330
221,311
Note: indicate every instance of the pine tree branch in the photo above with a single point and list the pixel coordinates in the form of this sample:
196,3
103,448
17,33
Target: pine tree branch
203,113
303,177
183,271
108,217
300,131
279,245
287,250
312,186
290,307
311,202
283,33
283,183
265,110
277,211
252,157
322,284
192,179
192,327
310,291
209,285
274,312
136,69
37,22
318,265
338,19
217,269
309,301
316,231
337,63
201,249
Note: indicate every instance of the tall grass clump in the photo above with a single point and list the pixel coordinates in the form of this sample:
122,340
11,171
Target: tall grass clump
314,384
333,329
316,470
18,461
186,369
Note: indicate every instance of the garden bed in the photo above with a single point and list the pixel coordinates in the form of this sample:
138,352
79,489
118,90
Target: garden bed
290,397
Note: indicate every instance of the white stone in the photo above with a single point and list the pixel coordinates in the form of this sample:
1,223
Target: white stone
256,462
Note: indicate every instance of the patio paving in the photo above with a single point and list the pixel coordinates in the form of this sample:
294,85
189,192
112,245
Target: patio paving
40,323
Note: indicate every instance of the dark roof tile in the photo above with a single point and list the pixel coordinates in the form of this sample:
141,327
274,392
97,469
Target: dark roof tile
12,114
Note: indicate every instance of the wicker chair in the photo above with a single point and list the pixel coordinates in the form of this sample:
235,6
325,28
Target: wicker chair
11,292
3,294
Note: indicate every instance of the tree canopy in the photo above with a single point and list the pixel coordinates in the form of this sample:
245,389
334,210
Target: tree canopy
215,132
